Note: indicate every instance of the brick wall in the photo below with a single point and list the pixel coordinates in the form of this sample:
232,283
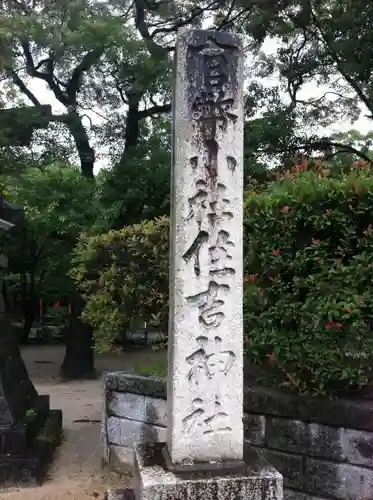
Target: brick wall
323,448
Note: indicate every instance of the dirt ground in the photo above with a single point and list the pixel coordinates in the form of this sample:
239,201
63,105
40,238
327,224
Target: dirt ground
76,473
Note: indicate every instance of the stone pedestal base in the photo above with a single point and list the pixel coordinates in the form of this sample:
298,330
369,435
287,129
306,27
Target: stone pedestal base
256,480
27,447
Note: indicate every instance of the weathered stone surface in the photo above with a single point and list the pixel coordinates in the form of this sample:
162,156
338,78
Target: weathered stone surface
287,435
127,432
136,384
297,495
17,393
290,466
257,481
156,411
339,412
138,407
121,458
306,439
326,442
5,414
13,440
254,429
29,469
358,447
125,494
105,449
127,405
315,439
205,379
205,331
340,481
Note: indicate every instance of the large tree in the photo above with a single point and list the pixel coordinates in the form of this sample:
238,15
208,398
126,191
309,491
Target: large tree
323,44
96,59
112,61
107,65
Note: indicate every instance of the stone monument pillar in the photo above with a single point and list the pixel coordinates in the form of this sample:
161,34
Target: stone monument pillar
204,457
205,333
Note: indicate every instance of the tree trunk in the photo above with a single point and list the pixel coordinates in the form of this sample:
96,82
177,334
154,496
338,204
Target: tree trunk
132,134
78,362
132,126
86,153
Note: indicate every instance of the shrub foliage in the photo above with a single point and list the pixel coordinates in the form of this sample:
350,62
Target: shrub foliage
309,274
124,277
308,304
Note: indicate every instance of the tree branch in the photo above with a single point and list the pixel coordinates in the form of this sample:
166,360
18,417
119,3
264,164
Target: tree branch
196,12
324,144
47,77
141,25
333,54
23,88
154,110
120,90
67,98
226,20
140,22
87,62
43,61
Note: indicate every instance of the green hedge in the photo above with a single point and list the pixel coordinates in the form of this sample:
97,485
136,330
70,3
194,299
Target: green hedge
309,280
308,306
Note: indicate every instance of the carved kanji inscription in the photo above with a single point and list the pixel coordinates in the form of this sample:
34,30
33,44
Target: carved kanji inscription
209,360
206,421
210,304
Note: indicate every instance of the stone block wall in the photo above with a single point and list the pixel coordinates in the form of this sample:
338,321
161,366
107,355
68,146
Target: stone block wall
134,412
323,449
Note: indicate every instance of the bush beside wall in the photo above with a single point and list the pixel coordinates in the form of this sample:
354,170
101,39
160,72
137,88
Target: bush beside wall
309,274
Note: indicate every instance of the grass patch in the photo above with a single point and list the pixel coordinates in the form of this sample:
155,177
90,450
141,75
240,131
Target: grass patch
29,415
158,368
